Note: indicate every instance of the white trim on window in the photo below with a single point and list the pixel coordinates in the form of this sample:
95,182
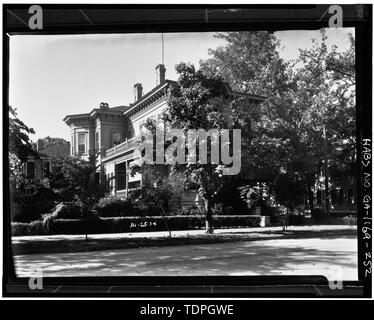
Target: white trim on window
82,143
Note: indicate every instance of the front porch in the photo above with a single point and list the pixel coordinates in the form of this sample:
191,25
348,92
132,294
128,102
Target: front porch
115,164
119,149
120,181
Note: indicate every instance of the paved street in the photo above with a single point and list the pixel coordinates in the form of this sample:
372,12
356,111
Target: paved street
310,256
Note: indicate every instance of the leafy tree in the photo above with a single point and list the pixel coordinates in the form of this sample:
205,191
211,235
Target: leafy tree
47,141
192,105
317,89
20,148
32,203
20,144
328,77
250,63
158,190
289,190
73,179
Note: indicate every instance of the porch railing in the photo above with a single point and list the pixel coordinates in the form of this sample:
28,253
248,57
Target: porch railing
122,147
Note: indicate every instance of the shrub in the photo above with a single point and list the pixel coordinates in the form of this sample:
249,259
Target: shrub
296,220
73,226
318,214
220,209
34,211
34,204
131,224
270,211
66,210
158,192
191,211
237,221
148,210
232,199
27,229
115,207
350,220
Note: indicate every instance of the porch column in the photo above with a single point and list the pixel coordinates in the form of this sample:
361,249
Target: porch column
127,179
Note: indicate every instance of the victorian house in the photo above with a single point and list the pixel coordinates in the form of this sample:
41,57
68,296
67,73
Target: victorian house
111,132
36,170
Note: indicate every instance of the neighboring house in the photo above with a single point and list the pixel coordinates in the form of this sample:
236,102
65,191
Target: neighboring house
111,132
37,170
342,192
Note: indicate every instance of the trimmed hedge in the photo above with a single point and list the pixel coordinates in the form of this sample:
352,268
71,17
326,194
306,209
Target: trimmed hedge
116,207
296,220
68,210
28,229
132,224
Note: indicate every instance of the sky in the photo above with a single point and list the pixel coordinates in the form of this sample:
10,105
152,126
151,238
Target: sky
55,75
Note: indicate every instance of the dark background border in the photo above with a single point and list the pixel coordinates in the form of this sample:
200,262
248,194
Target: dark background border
68,19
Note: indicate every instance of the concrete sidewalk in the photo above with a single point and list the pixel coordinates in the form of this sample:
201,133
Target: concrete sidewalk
181,233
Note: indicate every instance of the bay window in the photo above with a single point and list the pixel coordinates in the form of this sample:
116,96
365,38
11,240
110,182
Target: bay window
82,143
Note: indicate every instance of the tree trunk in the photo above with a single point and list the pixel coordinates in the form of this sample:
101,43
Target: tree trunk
310,201
165,221
208,216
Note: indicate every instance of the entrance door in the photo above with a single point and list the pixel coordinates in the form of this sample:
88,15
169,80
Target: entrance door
121,176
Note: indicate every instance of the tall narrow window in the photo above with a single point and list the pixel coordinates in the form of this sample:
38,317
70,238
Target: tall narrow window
97,144
81,143
116,138
72,145
30,170
46,168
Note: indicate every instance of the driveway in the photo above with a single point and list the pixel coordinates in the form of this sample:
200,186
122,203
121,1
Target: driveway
307,256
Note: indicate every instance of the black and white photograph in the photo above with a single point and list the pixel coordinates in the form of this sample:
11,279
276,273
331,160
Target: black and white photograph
220,153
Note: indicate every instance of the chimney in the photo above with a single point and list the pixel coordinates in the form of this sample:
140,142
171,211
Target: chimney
39,145
160,74
104,105
138,91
